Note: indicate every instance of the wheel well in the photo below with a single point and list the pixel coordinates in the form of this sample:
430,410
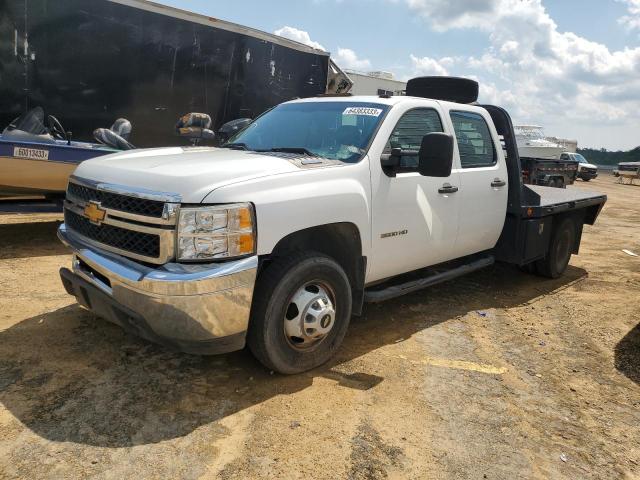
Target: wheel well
340,241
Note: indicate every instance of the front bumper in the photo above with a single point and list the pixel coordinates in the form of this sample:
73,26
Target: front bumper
588,175
199,309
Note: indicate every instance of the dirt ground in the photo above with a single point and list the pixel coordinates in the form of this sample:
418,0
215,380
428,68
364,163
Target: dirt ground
498,375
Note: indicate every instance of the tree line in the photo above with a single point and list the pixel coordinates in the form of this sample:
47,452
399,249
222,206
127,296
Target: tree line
605,157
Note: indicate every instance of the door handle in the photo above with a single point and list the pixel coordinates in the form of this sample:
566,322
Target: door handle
446,188
498,183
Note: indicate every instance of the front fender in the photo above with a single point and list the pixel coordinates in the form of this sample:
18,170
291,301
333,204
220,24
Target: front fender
291,202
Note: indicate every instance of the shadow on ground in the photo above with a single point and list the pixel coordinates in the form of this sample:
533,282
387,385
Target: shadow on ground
27,240
14,205
627,355
70,377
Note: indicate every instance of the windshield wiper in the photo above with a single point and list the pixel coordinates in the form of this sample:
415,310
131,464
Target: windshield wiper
300,150
235,146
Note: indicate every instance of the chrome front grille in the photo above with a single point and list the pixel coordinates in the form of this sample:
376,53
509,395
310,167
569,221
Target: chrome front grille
139,243
134,223
139,206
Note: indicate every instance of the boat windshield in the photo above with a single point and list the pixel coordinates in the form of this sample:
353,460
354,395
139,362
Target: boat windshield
530,132
30,122
334,130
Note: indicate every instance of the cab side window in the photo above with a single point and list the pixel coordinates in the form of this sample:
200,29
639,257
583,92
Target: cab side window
408,133
474,140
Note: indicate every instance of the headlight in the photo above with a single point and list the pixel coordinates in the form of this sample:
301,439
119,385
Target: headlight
223,231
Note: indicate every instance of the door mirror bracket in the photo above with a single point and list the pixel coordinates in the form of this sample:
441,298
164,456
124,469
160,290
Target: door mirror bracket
391,162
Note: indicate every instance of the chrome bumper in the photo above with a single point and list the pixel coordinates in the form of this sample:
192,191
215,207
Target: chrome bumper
589,175
198,309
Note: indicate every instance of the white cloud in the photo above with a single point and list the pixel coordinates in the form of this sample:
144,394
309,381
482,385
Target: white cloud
445,14
430,66
547,74
347,58
632,20
298,35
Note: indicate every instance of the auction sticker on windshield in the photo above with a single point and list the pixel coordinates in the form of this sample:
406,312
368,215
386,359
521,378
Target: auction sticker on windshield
370,112
31,153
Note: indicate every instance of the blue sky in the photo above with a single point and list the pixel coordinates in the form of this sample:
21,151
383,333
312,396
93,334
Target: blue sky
570,65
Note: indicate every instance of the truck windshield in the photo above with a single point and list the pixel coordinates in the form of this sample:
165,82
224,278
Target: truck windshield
334,130
580,158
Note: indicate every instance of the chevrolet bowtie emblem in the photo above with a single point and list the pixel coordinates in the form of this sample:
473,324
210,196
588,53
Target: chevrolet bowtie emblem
95,213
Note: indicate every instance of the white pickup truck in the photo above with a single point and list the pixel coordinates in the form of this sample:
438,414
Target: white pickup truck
318,206
586,171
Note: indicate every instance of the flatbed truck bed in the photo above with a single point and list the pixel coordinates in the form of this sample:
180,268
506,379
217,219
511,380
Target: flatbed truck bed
543,201
535,212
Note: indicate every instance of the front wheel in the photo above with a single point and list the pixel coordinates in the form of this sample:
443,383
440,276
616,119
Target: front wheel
560,250
300,314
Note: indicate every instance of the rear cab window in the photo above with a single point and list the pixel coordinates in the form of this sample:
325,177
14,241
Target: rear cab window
474,139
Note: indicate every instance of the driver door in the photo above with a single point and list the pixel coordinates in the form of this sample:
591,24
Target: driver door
414,218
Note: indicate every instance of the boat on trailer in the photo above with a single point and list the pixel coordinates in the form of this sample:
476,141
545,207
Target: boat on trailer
532,143
37,160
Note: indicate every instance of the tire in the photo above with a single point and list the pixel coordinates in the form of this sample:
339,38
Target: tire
586,179
552,183
559,254
277,306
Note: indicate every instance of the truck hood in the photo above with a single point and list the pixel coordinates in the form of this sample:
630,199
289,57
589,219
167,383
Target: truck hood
589,165
191,172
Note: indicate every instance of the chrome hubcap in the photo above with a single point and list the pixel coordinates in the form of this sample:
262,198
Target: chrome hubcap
310,316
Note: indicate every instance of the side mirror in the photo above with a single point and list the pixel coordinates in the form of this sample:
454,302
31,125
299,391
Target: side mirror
229,129
435,158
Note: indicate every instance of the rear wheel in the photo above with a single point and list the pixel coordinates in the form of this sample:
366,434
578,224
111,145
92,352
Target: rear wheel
552,183
560,250
301,312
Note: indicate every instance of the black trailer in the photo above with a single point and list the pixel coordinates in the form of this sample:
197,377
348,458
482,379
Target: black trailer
549,172
89,62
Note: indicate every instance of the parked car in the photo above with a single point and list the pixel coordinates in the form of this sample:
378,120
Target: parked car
586,171
315,208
